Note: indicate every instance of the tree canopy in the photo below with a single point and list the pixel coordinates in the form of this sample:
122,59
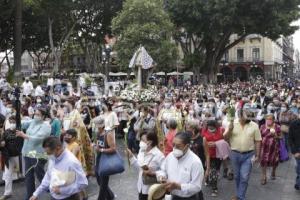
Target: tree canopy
214,21
144,22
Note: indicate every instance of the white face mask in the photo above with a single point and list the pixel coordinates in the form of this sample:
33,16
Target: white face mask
177,153
142,114
143,146
39,101
283,109
11,126
38,118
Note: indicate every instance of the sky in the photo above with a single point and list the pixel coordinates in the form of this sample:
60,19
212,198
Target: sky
297,36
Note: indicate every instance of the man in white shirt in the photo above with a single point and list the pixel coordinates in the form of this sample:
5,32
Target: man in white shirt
182,170
27,87
39,92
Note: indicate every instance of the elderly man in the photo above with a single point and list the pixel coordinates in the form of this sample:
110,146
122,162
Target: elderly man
245,140
185,182
65,177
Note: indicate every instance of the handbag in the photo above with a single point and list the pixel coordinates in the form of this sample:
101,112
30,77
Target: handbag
283,153
149,180
110,164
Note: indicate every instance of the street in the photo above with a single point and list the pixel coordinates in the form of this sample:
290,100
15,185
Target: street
124,186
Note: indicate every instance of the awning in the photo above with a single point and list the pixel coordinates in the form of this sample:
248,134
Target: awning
188,73
174,74
160,73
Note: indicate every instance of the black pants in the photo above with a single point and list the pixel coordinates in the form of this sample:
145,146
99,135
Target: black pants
105,192
123,124
195,197
143,196
38,170
73,197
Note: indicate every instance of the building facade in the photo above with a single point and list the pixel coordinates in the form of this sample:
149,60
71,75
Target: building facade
254,57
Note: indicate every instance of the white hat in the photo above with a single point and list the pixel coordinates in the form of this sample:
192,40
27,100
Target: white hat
156,192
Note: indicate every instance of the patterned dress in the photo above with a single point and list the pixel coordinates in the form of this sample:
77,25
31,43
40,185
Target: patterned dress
269,147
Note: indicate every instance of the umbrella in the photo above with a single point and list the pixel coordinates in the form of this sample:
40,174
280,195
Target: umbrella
174,74
160,73
188,73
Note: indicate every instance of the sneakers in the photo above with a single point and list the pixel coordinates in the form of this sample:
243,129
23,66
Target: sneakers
230,176
4,197
214,193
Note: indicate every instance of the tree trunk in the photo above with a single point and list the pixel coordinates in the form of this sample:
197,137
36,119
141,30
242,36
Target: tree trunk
18,39
53,49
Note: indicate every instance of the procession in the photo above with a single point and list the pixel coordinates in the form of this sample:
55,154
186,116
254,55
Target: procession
149,100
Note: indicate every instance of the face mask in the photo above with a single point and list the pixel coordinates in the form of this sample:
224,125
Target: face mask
294,104
262,94
283,109
12,126
177,153
212,130
191,112
51,157
142,114
67,140
39,101
37,119
269,122
143,146
167,105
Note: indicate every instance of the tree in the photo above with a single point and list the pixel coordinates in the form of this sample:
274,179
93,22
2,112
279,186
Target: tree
18,38
144,22
214,21
35,36
6,24
96,17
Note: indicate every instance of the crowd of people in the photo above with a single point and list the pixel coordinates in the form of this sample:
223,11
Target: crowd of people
181,140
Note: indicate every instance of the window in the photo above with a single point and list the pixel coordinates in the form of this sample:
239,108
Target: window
256,54
240,55
226,56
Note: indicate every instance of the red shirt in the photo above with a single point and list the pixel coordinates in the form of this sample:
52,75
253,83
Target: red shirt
213,137
169,141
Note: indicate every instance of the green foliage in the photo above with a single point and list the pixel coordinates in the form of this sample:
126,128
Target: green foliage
144,22
6,24
10,75
213,21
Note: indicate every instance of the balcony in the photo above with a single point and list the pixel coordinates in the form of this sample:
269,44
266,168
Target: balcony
241,60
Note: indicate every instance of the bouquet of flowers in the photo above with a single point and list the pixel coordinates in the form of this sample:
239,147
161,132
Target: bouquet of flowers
132,93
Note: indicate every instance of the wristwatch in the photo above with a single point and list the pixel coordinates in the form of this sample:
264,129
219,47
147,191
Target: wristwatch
101,150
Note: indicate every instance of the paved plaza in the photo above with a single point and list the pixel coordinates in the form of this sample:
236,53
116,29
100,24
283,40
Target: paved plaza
124,186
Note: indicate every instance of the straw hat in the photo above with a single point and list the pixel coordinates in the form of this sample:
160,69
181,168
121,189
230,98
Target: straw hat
156,192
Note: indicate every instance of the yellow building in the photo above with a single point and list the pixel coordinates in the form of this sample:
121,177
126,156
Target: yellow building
254,57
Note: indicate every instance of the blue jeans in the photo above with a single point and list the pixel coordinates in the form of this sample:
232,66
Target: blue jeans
29,177
298,172
242,166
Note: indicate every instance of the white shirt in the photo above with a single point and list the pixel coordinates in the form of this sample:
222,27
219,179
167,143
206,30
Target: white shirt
111,120
38,91
50,82
187,171
27,88
153,159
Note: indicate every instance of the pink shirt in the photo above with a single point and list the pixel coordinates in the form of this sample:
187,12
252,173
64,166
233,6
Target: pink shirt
169,141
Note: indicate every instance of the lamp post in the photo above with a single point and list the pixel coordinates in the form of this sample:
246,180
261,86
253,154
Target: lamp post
106,54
